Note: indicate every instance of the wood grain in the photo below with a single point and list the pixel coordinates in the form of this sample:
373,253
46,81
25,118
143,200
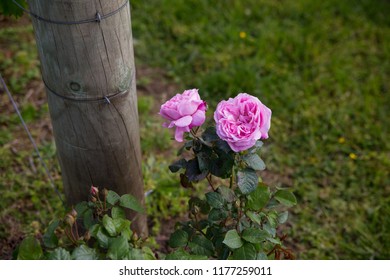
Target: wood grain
97,143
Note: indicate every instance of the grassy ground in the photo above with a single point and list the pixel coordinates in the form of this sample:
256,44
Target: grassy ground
322,67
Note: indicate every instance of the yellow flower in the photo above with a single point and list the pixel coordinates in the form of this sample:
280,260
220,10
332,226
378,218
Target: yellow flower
313,160
341,140
242,35
352,156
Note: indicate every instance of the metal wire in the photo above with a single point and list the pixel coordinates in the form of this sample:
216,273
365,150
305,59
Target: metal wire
51,180
98,17
105,99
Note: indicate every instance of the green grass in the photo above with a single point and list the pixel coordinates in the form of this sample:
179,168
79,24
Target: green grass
321,66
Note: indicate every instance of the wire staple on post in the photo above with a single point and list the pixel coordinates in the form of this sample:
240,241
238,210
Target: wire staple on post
98,17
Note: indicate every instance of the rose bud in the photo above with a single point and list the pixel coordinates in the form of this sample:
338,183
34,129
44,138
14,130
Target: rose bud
69,219
73,213
94,191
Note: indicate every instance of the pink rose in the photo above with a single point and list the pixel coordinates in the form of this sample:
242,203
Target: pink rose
184,111
94,191
242,121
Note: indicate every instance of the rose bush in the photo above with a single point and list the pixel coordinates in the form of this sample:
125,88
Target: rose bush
241,121
184,111
238,216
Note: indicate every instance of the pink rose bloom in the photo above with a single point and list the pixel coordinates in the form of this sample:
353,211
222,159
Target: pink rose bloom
94,191
241,121
184,111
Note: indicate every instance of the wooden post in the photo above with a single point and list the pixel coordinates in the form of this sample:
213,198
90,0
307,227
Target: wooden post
88,69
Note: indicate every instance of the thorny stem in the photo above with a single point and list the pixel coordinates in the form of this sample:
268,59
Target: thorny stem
77,230
239,217
277,249
273,250
70,236
232,178
210,182
72,233
197,228
193,132
100,204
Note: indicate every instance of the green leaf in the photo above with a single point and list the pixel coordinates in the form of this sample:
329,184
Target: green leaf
177,165
185,182
247,180
214,199
243,223
262,256
232,239
254,217
102,238
246,252
140,254
272,217
119,224
210,134
274,240
203,161
223,146
81,208
193,172
59,254
118,212
200,245
187,146
109,225
180,254
50,239
202,224
118,248
112,197
126,231
221,163
148,253
254,161
268,228
83,252
227,194
134,254
282,217
178,239
256,147
30,249
258,199
286,197
93,230
131,202
201,204
217,215
254,235
8,8
88,218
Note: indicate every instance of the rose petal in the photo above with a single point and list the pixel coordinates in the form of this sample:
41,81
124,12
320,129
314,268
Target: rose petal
186,108
198,118
193,93
184,121
169,113
179,133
